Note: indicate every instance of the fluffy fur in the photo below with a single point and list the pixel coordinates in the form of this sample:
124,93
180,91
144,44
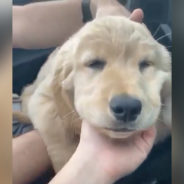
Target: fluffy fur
67,90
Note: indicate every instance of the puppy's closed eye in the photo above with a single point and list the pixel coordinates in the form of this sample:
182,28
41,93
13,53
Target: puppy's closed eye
144,64
96,64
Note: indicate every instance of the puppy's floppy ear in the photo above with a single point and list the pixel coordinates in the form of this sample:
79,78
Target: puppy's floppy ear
62,86
62,75
166,97
67,83
166,87
63,66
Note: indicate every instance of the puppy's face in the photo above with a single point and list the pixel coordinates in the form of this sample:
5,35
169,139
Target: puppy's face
118,74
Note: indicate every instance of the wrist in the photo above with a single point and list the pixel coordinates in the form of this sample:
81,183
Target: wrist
80,169
96,6
108,7
88,168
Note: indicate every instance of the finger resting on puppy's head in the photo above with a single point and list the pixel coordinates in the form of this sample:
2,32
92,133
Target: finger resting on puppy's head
137,15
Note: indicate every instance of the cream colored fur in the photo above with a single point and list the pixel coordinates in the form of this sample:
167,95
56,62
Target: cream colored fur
67,90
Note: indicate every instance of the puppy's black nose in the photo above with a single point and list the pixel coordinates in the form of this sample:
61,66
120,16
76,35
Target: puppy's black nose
125,108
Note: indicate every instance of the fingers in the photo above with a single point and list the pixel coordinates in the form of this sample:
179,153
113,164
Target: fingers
137,15
143,141
149,136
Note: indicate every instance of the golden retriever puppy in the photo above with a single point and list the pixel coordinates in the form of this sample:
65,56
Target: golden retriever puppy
111,73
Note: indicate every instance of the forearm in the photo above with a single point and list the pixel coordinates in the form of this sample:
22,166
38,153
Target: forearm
30,158
45,24
49,24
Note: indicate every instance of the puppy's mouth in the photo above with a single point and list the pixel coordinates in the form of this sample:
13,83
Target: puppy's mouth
118,133
120,129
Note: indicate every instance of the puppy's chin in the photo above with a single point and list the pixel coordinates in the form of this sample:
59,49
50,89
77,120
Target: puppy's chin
117,135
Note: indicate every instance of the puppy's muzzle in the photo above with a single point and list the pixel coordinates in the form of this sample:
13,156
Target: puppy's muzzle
125,108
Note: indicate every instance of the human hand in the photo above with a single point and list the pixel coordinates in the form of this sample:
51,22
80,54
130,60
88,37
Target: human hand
113,7
114,158
100,159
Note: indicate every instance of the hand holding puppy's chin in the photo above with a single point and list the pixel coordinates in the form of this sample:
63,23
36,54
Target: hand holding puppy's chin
114,155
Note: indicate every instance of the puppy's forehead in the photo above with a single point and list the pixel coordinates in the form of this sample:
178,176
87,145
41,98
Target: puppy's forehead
115,34
114,28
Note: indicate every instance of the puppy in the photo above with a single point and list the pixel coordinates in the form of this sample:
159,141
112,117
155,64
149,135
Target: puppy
111,73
